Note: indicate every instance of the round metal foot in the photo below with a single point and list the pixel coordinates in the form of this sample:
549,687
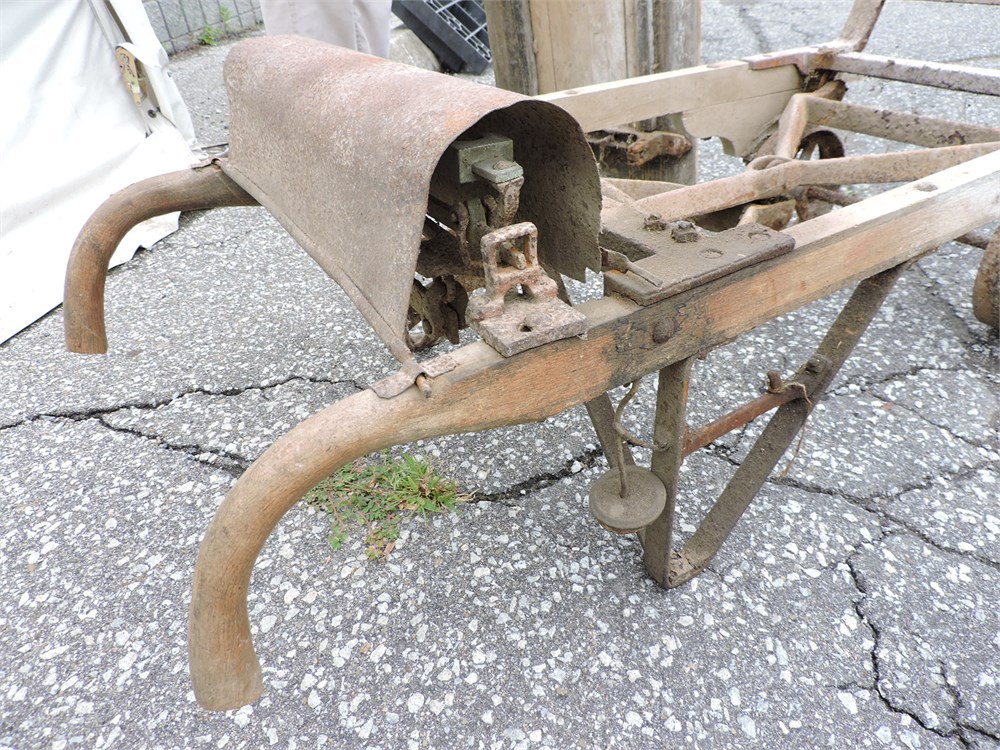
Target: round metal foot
645,501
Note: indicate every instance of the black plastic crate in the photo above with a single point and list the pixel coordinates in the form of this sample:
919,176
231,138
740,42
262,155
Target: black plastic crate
455,31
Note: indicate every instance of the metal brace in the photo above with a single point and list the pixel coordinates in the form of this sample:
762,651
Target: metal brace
413,372
519,308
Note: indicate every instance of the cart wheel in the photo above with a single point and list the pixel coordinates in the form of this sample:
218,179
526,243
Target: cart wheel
986,289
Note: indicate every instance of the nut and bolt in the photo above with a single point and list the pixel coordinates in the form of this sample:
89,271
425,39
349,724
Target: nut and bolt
683,231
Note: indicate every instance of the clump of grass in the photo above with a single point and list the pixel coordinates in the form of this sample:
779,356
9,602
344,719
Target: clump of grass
374,495
209,36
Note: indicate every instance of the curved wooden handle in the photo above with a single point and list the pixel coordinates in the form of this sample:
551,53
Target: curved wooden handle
224,667
87,270
483,391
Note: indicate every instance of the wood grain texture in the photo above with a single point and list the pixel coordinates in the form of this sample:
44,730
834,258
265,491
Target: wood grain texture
87,270
485,390
512,45
580,42
731,84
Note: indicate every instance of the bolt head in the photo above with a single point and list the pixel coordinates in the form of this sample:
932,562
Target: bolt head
664,330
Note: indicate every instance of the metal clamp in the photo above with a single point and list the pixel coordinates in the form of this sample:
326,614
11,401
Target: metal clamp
520,308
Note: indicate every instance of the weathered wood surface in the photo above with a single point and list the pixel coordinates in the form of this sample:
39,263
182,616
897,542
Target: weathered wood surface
512,45
485,391
783,177
728,99
87,270
542,46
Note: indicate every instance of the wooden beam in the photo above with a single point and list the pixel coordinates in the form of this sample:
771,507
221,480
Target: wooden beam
542,46
941,75
512,45
732,84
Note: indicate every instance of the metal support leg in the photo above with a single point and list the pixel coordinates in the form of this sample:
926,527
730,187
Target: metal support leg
670,568
669,428
602,416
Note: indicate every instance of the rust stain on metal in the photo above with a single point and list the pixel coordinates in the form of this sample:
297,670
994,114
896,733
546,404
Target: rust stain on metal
688,262
520,308
307,119
481,190
620,147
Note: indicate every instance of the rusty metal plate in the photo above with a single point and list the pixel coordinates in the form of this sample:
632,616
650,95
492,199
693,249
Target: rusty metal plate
525,324
519,309
341,147
682,257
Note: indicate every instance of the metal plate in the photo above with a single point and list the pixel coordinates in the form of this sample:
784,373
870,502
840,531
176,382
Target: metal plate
341,147
681,264
646,499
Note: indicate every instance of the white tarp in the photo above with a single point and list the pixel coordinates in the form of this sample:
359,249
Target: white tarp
71,135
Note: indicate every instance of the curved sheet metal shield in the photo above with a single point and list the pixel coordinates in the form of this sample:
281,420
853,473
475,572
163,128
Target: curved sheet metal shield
341,147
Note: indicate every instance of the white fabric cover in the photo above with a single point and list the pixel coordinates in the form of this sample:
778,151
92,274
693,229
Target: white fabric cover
71,135
361,25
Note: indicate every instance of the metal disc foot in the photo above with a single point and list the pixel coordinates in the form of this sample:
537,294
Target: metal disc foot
644,501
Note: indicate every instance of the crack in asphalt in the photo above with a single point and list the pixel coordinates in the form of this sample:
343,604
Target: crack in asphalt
952,691
971,730
877,677
868,502
232,463
540,481
960,728
940,546
153,404
928,420
235,463
865,385
871,505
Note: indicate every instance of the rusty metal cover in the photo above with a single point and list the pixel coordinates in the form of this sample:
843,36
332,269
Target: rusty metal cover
341,146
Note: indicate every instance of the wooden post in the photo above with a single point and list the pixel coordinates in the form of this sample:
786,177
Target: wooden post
677,44
540,46
511,42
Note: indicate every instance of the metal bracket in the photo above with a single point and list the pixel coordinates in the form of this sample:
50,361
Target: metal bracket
636,148
464,161
413,372
681,260
131,71
520,308
671,567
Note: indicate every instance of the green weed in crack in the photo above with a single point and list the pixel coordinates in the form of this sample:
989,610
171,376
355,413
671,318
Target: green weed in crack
375,495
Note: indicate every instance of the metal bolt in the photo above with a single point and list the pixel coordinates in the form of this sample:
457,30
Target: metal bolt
683,231
424,385
654,223
817,364
663,331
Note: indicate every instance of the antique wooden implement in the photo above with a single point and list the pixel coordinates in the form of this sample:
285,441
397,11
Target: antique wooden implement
474,201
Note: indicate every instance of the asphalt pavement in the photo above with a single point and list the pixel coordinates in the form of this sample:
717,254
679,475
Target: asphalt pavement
856,605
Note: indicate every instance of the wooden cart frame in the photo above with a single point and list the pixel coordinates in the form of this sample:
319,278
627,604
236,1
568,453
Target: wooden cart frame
660,311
